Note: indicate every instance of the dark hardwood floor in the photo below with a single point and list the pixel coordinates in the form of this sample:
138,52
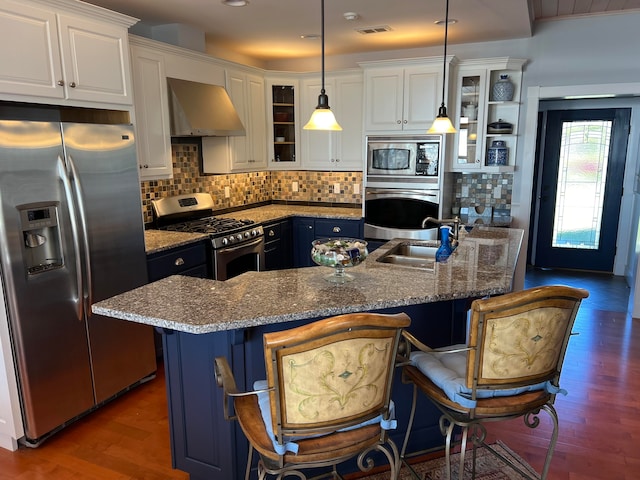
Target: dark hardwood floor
599,419
600,416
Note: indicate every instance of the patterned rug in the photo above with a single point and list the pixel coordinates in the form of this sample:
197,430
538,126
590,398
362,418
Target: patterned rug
488,467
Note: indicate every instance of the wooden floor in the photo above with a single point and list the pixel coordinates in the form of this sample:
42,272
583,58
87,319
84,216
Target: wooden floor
599,419
600,416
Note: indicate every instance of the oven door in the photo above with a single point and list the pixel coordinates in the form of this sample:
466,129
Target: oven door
232,261
398,213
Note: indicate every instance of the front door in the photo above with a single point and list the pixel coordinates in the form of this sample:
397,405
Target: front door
581,188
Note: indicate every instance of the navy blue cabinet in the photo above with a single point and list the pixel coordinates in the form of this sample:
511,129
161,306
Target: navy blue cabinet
278,245
306,230
191,260
209,447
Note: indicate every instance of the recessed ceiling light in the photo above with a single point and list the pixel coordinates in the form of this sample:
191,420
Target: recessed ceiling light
235,3
441,22
350,16
310,36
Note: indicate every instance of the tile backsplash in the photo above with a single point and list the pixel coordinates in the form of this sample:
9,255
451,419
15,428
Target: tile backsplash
483,189
250,188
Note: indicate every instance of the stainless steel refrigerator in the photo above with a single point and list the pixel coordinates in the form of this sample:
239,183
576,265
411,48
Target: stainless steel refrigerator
71,234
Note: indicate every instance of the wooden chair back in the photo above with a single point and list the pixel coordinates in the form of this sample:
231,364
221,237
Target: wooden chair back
520,338
332,374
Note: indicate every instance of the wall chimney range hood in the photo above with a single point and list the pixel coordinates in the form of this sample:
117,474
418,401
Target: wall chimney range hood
201,110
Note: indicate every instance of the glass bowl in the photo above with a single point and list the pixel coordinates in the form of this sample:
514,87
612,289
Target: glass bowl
339,253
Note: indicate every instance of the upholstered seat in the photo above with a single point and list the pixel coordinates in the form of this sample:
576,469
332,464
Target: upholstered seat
326,397
509,368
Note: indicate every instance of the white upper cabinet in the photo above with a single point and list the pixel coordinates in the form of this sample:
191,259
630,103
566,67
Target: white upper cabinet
151,113
340,151
243,152
402,96
248,152
64,50
283,122
480,145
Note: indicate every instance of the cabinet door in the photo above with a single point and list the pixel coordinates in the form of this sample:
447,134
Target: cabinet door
29,53
384,99
283,100
349,146
303,236
318,147
257,120
95,61
470,88
152,114
422,88
239,145
337,151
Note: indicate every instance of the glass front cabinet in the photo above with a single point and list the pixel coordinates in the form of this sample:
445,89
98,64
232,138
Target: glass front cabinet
486,114
283,123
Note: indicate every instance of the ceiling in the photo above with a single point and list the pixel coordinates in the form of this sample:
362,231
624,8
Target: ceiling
271,29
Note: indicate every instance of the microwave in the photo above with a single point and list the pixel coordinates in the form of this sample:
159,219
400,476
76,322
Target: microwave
404,156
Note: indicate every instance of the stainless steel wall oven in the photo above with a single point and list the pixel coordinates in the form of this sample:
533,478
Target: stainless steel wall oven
403,186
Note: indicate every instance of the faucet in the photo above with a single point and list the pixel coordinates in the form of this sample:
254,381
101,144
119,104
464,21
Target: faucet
442,221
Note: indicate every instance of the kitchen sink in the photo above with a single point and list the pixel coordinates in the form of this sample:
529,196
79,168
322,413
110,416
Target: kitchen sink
413,255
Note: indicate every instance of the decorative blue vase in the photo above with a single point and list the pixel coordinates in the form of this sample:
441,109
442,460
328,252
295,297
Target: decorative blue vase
444,250
498,153
503,89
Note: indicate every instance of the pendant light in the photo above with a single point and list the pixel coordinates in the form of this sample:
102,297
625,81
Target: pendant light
322,117
442,124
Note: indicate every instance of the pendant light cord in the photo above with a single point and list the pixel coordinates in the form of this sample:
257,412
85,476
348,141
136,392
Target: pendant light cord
444,60
322,91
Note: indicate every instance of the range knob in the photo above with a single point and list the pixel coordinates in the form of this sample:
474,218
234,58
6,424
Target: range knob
254,233
225,241
239,237
247,234
232,239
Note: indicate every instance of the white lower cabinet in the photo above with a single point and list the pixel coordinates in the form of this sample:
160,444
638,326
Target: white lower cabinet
64,50
151,114
341,151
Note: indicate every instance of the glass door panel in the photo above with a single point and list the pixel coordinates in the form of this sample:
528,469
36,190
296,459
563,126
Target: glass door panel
469,143
582,171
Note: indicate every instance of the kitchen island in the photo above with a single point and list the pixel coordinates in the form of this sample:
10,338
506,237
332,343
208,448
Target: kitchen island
202,319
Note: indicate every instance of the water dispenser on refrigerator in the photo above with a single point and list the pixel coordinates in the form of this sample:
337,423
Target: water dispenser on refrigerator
41,237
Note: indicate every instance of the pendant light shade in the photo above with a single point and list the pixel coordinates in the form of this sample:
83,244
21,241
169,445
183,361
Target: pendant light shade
442,124
322,117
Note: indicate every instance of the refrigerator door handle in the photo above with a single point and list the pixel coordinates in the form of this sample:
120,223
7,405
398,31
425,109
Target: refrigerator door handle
64,177
85,234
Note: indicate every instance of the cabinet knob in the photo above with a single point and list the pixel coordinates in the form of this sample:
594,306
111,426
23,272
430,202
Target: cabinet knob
61,83
404,121
336,229
144,166
271,233
179,262
398,122
72,84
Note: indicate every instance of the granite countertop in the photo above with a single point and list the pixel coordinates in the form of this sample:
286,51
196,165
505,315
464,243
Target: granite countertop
159,240
483,264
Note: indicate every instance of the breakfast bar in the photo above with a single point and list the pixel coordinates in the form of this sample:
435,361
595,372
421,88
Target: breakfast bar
201,319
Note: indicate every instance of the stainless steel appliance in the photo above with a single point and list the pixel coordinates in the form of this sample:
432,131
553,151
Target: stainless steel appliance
403,186
71,234
407,161
237,245
399,212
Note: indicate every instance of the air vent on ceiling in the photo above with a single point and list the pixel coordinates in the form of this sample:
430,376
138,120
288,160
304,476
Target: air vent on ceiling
369,30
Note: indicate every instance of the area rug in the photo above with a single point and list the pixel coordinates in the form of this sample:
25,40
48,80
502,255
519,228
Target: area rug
488,467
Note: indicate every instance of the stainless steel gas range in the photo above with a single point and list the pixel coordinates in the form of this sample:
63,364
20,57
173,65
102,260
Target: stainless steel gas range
237,245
